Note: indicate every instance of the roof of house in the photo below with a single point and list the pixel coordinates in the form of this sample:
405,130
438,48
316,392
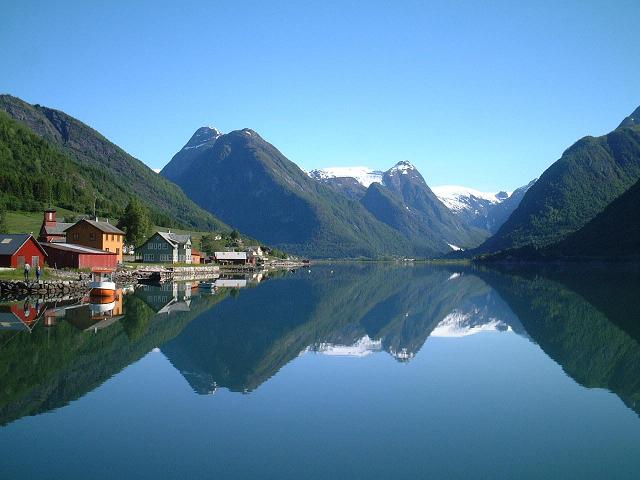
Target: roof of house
175,238
57,229
196,252
104,227
231,255
70,247
10,243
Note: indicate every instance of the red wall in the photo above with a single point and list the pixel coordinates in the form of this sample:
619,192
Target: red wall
66,259
28,250
89,261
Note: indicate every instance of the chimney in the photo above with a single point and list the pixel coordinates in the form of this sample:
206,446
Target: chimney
50,217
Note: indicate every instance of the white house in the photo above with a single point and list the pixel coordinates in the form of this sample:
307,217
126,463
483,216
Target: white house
166,247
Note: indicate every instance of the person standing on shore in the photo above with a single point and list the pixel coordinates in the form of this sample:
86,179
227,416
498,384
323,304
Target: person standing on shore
38,273
27,271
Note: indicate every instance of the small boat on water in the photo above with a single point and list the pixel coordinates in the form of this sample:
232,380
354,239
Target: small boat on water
207,285
102,284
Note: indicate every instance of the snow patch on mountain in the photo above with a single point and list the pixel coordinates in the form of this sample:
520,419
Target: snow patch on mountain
458,198
365,176
402,167
458,324
203,136
361,348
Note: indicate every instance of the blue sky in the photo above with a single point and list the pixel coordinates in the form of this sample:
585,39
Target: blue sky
482,94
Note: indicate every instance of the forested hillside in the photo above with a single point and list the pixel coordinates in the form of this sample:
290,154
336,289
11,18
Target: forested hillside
51,156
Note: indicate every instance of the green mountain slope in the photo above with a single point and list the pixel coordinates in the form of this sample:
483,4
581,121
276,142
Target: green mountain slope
80,163
570,193
614,233
249,184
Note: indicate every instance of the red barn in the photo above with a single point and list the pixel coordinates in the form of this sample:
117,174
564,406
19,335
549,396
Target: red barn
16,249
69,255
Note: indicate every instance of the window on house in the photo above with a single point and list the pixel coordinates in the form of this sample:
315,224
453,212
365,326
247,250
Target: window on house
118,251
35,261
92,236
76,236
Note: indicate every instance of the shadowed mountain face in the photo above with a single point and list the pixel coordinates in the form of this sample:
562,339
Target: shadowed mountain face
251,185
255,188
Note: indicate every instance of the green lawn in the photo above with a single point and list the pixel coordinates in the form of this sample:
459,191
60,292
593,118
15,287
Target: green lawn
18,274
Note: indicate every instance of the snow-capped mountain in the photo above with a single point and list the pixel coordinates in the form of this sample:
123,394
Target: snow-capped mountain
401,198
204,138
486,210
458,198
473,208
363,175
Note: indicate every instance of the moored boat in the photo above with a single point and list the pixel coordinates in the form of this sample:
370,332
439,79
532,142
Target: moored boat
102,284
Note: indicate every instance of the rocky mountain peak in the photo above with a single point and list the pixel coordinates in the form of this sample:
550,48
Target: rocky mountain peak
202,136
632,120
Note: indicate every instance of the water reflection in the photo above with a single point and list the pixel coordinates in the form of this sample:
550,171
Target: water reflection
237,337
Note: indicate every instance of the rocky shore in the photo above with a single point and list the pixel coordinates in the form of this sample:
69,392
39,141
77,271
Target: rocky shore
75,284
10,289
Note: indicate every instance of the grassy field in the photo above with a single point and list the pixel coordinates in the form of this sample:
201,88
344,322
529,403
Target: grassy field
30,222
18,274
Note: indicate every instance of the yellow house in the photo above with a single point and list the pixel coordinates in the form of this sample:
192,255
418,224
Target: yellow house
97,234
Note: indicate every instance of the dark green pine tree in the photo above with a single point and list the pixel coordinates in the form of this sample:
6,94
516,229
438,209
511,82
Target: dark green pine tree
136,222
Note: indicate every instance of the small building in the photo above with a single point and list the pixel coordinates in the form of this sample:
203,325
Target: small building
166,247
234,258
19,248
97,234
197,256
52,230
69,255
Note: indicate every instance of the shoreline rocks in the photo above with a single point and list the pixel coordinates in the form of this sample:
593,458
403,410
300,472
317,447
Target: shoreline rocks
51,288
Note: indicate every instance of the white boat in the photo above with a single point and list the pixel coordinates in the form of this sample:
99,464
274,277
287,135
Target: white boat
102,283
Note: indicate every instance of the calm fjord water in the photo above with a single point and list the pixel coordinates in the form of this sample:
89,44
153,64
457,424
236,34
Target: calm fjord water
346,371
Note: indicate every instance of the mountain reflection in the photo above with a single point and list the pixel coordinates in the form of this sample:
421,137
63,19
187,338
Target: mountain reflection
237,338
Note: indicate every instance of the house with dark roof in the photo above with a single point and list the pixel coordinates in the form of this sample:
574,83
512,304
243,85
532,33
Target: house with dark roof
165,247
52,230
101,235
16,249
